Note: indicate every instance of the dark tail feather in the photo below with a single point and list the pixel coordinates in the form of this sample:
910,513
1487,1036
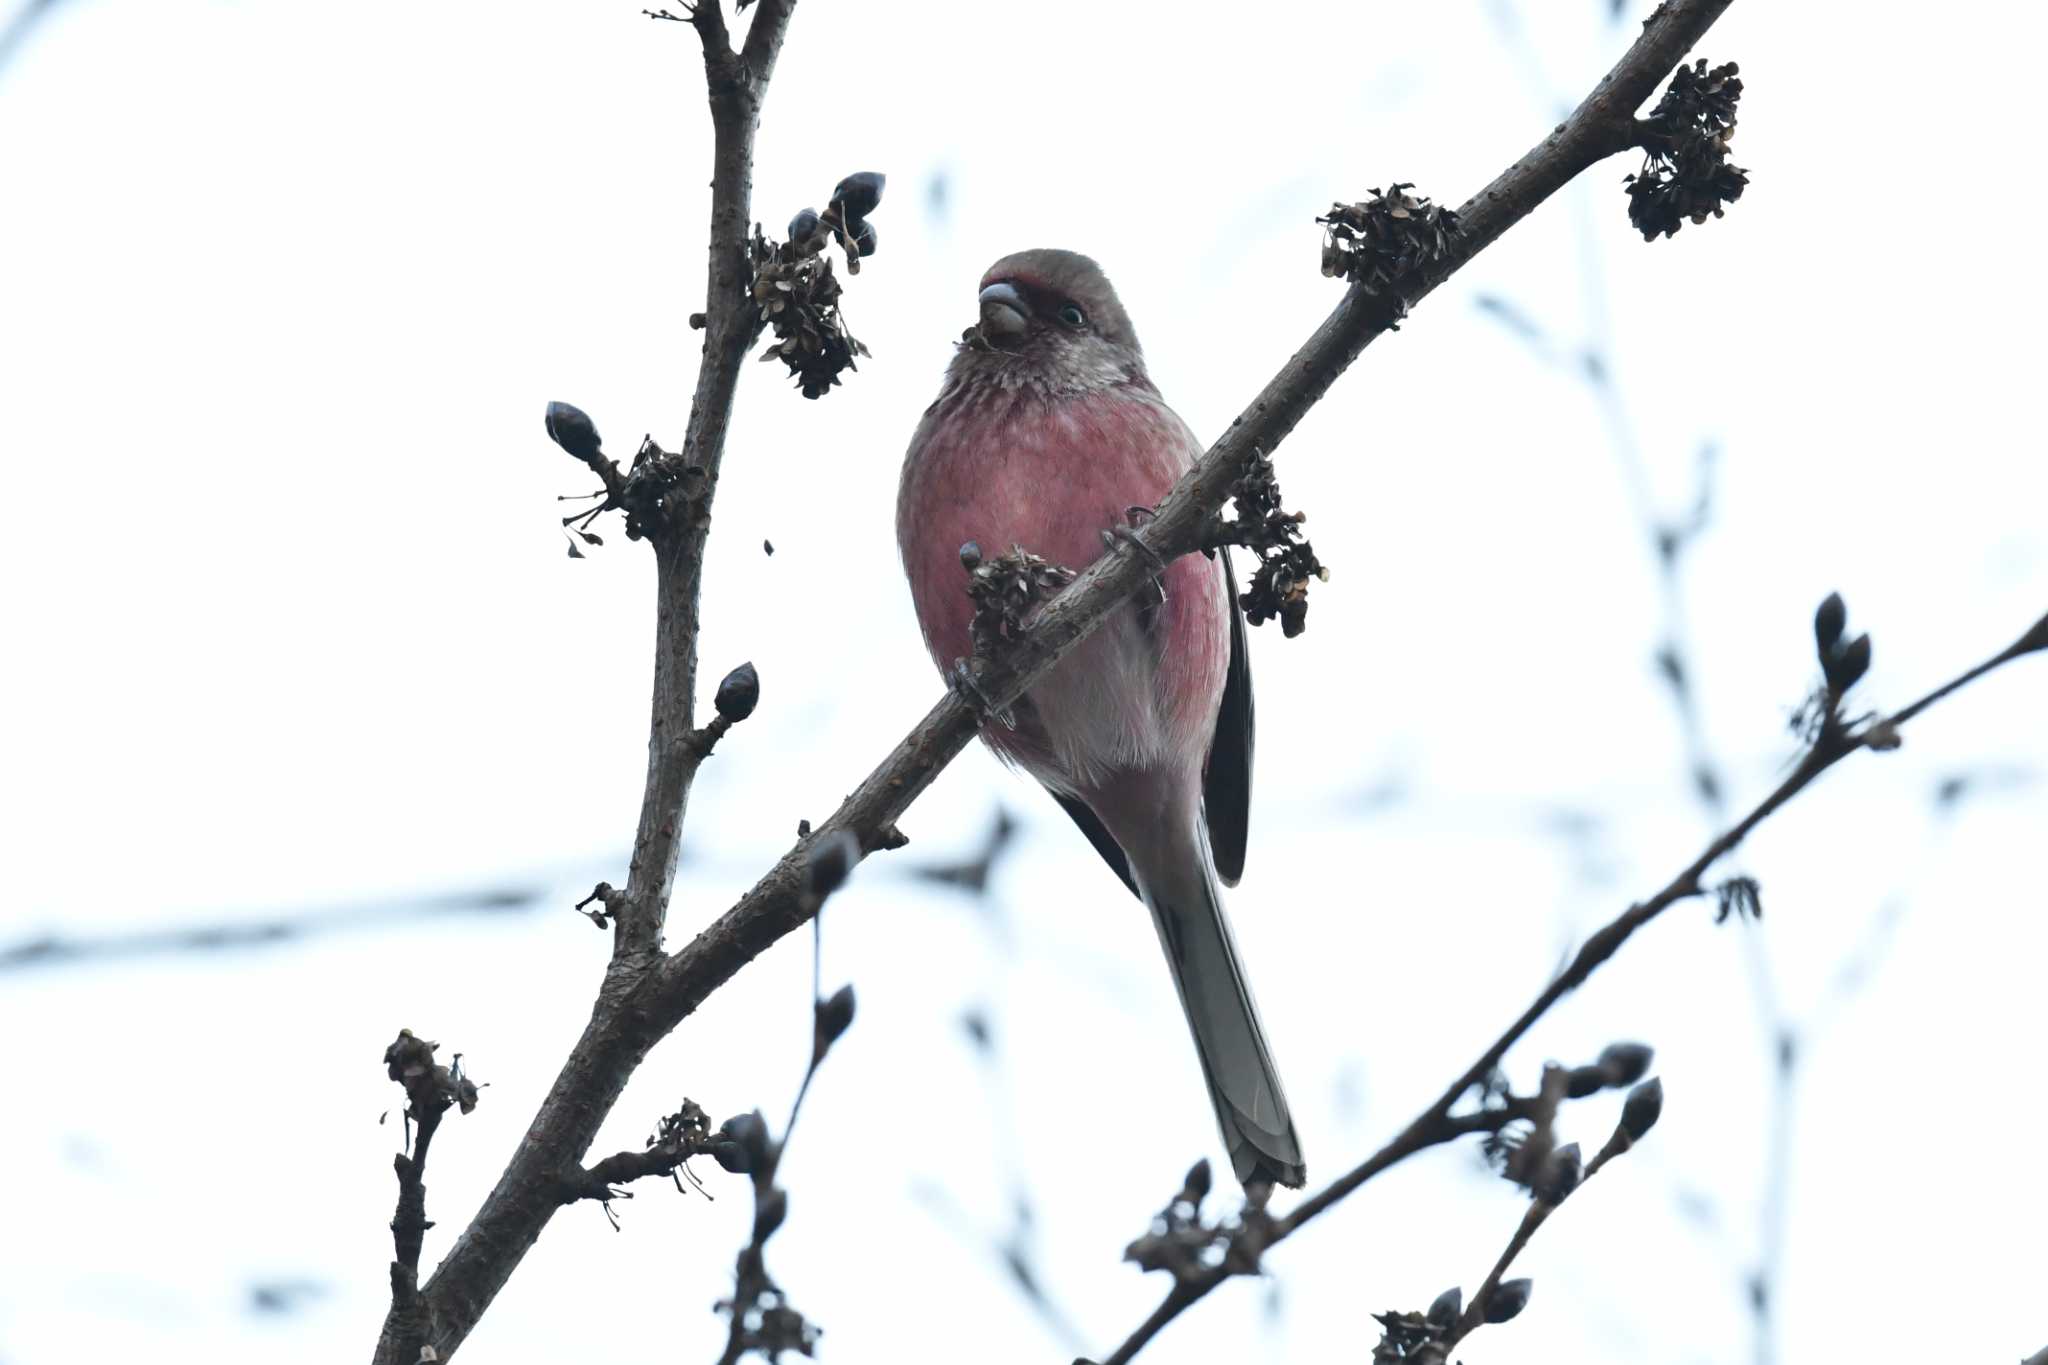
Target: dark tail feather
1251,1108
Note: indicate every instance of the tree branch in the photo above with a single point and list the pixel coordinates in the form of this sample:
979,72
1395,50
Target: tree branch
441,1314
1436,1124
644,995
1602,126
737,83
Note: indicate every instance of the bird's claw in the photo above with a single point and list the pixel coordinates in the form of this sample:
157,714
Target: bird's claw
1127,535
964,685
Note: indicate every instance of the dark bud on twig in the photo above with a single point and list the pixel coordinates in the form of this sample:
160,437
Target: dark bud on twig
803,230
769,1212
731,1155
864,239
858,195
834,1017
1827,624
1561,1174
1508,1299
748,1131
1195,1188
1639,1113
570,428
738,693
831,861
1584,1081
1625,1063
970,556
1848,666
1443,1313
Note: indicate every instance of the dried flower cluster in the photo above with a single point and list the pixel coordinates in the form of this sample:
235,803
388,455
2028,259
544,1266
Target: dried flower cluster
1004,590
1377,243
430,1088
662,488
658,490
1188,1246
677,1137
1686,173
1287,562
1426,1338
1525,1149
1740,897
797,292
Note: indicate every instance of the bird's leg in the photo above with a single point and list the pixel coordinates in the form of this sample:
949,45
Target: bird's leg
1135,517
960,680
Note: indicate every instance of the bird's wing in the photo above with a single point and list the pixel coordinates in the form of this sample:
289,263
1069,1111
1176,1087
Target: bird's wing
1227,783
1099,836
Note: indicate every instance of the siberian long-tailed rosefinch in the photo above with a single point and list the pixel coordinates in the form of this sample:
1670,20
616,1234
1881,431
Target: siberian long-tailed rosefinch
1045,435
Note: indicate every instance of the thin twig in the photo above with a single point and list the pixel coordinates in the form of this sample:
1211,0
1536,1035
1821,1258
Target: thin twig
1436,1124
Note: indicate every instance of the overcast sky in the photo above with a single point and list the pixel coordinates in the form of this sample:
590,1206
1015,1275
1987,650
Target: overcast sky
284,289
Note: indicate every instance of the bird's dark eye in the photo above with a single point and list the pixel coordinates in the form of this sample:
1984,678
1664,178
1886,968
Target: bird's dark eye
1072,315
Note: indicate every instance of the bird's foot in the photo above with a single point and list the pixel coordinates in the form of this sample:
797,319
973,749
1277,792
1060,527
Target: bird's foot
964,685
1155,597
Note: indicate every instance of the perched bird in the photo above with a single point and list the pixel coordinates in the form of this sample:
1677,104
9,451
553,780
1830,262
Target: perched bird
1047,434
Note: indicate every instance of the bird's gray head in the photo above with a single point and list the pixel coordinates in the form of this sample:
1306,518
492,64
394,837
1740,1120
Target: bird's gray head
1050,319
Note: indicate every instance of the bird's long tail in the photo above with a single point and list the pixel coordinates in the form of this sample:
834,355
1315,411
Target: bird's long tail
1251,1108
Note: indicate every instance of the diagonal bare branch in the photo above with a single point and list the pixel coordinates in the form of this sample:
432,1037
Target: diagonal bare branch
1436,1124
1602,125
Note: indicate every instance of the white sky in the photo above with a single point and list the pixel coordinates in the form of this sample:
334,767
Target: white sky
284,289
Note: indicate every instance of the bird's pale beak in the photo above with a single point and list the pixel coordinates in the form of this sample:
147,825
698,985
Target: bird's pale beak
1004,314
